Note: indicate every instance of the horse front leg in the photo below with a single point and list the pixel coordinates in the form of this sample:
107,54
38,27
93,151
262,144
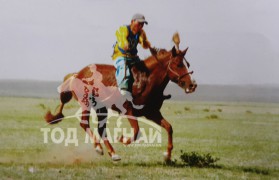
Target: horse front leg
85,125
166,125
160,120
136,133
134,124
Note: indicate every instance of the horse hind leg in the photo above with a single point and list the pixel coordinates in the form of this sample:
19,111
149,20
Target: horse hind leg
102,123
65,97
85,125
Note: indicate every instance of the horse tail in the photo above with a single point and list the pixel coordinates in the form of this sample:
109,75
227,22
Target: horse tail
65,96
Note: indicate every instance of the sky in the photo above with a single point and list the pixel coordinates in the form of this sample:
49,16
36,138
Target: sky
230,41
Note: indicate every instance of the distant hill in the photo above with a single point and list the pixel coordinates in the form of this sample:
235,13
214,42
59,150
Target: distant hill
230,93
29,88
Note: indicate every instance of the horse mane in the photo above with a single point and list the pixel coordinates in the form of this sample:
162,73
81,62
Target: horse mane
152,61
160,52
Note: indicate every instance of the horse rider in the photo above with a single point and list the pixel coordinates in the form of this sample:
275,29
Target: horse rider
125,51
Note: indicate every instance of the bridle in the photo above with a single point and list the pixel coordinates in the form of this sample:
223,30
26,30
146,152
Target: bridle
179,77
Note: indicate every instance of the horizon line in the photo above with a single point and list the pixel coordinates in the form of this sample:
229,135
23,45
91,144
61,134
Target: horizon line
210,84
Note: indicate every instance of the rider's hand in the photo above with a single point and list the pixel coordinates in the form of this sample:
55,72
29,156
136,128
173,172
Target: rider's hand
153,51
126,47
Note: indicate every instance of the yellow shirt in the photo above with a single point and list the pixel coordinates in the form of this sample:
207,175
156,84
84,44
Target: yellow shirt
122,35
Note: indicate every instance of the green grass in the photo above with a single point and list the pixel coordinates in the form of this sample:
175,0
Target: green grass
243,136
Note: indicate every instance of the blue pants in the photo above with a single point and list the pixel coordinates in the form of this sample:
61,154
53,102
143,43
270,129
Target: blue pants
123,72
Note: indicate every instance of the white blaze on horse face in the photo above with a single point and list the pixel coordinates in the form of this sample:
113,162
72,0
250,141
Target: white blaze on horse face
189,88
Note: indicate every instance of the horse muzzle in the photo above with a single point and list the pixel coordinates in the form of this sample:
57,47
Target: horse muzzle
191,88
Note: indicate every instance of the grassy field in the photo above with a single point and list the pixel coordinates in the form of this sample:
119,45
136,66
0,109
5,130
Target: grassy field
245,136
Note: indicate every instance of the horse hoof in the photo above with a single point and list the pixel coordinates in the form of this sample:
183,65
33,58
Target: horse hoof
99,150
115,157
166,156
123,140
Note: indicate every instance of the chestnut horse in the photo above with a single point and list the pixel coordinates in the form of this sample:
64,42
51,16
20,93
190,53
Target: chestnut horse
94,87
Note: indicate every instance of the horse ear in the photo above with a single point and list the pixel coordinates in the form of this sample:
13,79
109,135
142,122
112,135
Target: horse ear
188,64
173,51
185,51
